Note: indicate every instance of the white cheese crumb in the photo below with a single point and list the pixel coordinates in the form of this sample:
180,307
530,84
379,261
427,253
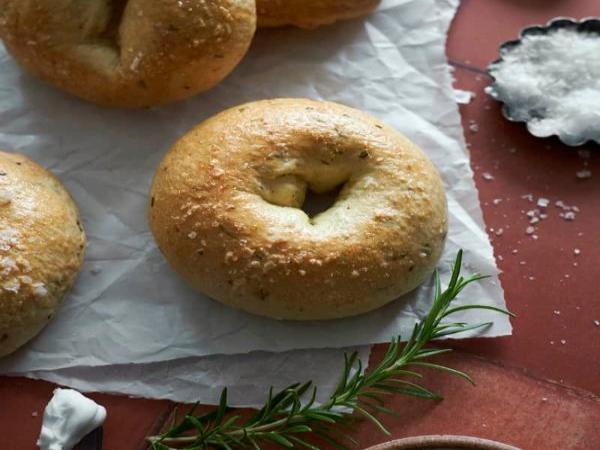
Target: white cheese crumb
68,417
529,230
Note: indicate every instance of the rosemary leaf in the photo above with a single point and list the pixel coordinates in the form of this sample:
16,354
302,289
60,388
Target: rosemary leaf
287,415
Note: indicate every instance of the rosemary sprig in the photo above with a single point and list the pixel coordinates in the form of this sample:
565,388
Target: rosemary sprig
291,416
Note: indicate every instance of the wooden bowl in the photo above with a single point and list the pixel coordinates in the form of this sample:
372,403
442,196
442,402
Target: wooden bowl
442,442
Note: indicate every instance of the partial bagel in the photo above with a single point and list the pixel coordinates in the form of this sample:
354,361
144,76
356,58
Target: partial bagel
310,13
41,248
225,210
129,53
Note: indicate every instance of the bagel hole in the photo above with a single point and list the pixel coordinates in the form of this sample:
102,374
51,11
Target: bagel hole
316,203
111,32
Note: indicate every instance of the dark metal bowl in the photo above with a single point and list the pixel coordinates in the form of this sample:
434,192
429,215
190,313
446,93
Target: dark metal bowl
442,442
586,25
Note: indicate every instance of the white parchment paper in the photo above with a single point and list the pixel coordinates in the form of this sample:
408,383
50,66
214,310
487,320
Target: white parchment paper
247,377
128,308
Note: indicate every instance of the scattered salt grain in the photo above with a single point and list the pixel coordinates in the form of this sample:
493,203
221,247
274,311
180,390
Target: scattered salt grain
39,290
34,414
6,198
576,251
597,323
529,230
473,126
563,342
583,174
556,312
543,202
556,73
584,154
487,176
569,215
463,97
499,232
497,201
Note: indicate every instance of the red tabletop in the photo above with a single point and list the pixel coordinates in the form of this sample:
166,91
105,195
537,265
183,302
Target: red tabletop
537,389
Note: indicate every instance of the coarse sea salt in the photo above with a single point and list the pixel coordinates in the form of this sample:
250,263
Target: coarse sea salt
552,82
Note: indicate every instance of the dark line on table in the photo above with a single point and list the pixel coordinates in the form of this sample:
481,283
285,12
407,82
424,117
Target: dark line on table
467,67
158,425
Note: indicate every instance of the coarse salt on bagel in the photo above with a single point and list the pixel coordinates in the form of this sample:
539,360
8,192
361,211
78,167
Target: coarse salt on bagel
41,248
225,210
129,53
310,13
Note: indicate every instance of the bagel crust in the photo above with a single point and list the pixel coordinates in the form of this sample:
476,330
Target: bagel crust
129,53
225,210
41,248
310,13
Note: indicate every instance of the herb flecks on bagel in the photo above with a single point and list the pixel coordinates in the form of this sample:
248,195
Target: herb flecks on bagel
129,53
225,210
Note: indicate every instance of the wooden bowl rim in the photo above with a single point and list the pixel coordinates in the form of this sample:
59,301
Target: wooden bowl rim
437,441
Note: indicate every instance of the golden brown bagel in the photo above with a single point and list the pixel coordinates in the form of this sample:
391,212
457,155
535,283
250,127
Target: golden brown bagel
129,53
225,202
310,13
41,248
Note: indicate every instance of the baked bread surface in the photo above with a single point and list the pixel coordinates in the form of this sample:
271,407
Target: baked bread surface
310,13
129,53
42,245
225,210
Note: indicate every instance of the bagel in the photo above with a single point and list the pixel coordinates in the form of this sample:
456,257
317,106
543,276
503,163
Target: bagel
41,248
129,53
310,13
225,210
